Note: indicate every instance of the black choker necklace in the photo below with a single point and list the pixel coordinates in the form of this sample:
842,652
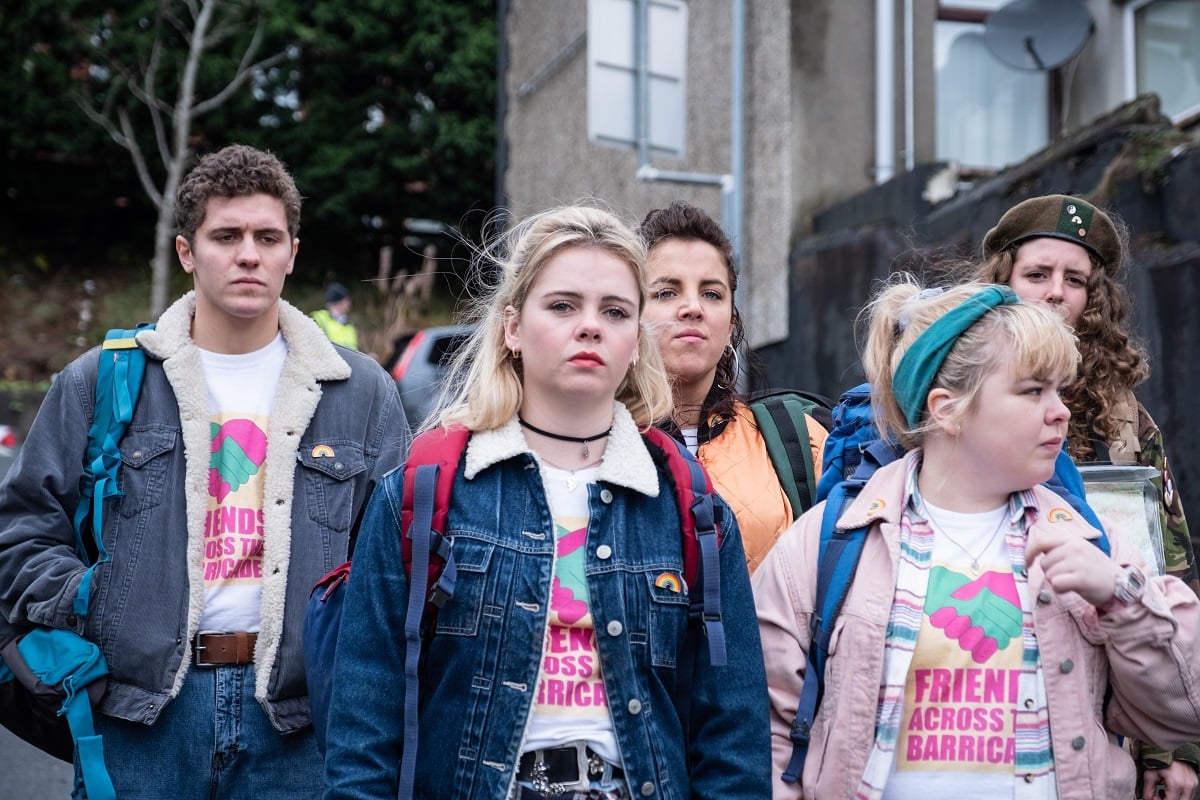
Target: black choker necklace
584,440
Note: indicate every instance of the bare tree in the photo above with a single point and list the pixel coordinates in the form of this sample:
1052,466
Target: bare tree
141,88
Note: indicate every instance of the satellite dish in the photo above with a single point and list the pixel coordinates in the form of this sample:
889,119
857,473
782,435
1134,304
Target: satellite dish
1038,34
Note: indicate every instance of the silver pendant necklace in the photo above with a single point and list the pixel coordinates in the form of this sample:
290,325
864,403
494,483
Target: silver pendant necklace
572,479
976,568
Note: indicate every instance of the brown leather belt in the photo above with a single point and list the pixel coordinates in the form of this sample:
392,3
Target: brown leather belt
223,649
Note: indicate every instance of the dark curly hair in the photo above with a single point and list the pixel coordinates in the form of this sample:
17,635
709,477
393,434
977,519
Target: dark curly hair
1112,363
682,220
234,171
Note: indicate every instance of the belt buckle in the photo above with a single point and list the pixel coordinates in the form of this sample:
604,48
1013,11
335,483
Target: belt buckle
196,649
583,768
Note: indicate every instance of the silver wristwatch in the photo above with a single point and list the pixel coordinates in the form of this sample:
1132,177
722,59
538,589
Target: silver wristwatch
1130,585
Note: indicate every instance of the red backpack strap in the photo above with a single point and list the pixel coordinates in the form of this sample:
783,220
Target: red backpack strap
443,448
701,538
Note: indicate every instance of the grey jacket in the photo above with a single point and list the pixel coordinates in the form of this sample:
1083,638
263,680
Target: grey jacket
146,603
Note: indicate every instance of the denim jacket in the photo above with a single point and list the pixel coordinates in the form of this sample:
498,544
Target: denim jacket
146,603
481,667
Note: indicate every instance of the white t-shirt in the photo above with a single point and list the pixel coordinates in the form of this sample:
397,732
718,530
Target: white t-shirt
571,703
241,389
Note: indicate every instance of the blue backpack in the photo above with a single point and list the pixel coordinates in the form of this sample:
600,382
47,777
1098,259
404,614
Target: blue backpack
50,678
853,452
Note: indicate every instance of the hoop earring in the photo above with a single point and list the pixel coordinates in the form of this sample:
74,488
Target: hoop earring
737,367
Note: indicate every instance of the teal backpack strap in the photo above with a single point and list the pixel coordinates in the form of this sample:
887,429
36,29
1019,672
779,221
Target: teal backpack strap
780,418
59,658
118,384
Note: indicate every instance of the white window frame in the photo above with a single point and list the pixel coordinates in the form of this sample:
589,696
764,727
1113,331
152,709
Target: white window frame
949,11
1130,37
612,72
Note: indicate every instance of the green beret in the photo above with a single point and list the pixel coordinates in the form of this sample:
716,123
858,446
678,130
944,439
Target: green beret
1058,217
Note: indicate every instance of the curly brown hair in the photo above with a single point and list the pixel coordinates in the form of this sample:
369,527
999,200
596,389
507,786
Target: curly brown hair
234,171
1112,363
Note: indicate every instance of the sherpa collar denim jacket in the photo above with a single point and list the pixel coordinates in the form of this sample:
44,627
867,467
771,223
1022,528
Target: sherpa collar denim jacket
146,602
482,664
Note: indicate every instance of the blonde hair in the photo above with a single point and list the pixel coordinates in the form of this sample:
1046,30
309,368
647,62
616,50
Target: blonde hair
484,388
1039,342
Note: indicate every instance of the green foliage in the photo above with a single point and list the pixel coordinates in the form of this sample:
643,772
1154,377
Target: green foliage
396,112
384,109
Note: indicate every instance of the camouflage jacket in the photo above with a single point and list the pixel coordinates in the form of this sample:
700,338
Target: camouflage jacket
1180,556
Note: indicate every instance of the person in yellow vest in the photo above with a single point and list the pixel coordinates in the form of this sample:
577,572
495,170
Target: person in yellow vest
334,318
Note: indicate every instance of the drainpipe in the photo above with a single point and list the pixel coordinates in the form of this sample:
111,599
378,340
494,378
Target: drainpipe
735,193
885,90
910,157
641,45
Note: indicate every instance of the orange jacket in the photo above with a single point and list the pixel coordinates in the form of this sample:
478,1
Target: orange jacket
742,474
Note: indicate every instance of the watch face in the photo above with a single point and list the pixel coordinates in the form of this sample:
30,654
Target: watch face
1131,584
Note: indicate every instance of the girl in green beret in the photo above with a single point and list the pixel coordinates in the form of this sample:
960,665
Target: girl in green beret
1067,254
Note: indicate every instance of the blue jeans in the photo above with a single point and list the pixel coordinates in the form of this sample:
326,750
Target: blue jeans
212,742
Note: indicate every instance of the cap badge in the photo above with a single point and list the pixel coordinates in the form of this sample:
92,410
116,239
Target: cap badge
1071,209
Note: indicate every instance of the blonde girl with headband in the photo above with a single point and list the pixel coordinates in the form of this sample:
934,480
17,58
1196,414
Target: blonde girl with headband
986,643
560,667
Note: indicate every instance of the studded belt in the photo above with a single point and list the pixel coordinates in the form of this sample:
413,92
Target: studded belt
569,768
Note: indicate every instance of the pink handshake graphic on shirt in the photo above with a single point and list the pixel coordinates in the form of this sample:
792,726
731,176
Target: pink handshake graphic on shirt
982,615
239,448
570,567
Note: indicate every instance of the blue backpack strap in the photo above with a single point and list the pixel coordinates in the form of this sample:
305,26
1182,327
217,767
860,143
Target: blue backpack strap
118,384
837,561
420,531
90,773
701,532
710,563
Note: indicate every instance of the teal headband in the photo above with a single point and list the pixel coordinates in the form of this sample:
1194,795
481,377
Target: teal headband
920,363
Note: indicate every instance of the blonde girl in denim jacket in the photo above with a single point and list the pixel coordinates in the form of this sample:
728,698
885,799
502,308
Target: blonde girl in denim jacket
565,665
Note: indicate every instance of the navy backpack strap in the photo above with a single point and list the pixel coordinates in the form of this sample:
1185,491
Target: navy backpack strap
710,563
418,580
701,532
837,561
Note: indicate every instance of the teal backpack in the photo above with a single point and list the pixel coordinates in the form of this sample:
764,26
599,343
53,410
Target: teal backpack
50,678
779,416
